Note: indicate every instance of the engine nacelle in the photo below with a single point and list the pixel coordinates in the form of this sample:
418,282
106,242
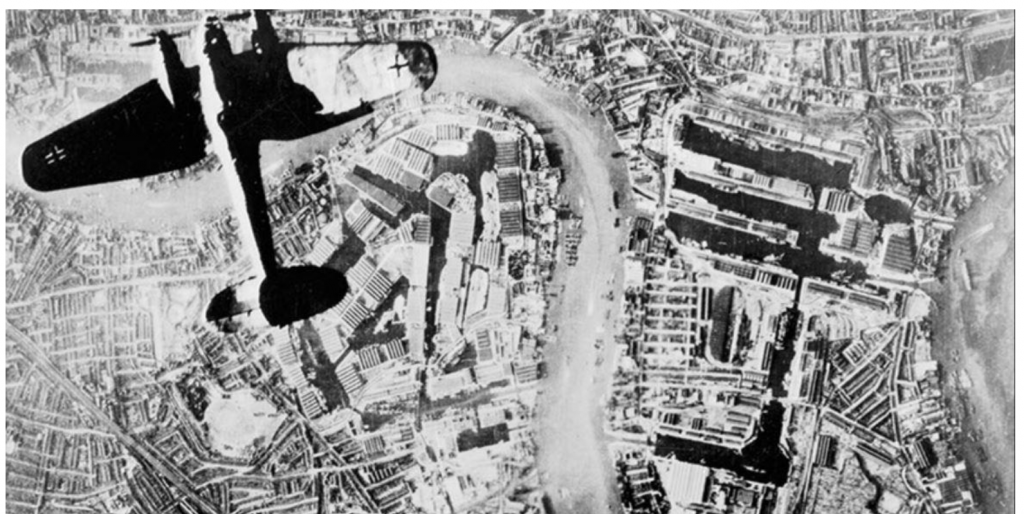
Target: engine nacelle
285,296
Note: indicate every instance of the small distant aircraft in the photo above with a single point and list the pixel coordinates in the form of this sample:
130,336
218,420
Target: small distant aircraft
276,91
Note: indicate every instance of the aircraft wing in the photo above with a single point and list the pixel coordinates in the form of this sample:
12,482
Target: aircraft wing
344,75
138,135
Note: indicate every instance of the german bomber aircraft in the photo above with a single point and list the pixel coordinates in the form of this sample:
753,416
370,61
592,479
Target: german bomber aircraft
276,91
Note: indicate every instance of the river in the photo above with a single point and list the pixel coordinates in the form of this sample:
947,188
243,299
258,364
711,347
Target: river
573,460
974,331
574,464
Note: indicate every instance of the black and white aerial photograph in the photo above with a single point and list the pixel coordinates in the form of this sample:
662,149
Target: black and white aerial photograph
472,261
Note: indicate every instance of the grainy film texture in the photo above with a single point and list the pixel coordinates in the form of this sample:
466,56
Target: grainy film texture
509,261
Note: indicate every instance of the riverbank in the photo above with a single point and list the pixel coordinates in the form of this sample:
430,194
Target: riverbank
973,332
575,468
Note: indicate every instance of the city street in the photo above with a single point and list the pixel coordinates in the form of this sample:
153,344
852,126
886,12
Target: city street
819,313
570,422
676,13
139,447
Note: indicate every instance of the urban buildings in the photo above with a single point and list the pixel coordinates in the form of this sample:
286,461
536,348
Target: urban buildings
775,332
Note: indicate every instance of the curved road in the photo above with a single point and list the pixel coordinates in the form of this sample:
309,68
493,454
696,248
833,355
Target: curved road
573,461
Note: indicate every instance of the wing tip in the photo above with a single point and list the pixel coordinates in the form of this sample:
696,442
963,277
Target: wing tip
35,168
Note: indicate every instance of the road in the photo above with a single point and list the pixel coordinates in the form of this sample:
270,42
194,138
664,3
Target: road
572,457
350,481
139,447
574,465
678,14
